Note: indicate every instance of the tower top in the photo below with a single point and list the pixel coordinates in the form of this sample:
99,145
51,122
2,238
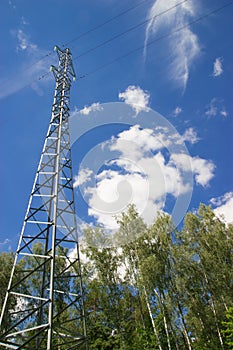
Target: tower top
65,67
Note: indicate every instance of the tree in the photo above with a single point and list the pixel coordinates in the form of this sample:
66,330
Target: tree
6,263
158,288
228,327
205,272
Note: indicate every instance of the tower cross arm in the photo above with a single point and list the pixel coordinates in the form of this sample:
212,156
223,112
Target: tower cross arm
65,65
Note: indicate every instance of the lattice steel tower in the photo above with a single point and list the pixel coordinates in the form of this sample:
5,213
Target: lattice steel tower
44,308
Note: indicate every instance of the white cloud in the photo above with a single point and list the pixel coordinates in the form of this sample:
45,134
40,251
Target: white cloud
12,5
216,107
212,109
218,69
33,71
190,135
73,254
135,141
23,41
203,169
113,192
21,305
92,108
224,207
83,176
92,270
5,241
224,113
23,21
135,97
177,111
222,199
143,175
183,46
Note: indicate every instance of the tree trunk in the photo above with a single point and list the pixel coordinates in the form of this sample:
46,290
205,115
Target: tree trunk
214,310
152,319
161,301
184,327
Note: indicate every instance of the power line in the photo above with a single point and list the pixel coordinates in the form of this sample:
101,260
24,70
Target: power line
114,37
107,41
87,32
128,30
152,42
106,22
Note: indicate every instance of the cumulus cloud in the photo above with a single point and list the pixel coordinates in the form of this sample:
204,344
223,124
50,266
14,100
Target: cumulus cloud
183,46
113,192
135,97
203,169
218,69
143,175
92,271
83,176
135,141
73,254
224,207
92,108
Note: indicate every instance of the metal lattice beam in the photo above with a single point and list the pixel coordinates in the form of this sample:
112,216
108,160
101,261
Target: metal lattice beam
45,289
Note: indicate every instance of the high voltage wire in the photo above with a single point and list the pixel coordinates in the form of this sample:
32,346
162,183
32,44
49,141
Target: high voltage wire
110,39
86,33
129,30
154,41
106,22
142,46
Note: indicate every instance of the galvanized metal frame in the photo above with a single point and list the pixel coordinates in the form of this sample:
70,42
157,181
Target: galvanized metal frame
46,281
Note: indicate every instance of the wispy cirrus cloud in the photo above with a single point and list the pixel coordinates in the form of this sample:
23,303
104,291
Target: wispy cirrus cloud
216,107
6,241
31,66
24,42
183,46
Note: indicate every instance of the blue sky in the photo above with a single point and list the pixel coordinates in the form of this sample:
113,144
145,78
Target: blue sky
185,75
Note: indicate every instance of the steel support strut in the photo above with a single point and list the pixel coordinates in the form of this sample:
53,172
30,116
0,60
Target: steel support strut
44,308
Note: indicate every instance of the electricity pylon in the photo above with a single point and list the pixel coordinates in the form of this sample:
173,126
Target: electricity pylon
44,306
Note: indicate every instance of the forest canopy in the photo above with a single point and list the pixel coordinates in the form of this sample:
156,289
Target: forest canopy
162,288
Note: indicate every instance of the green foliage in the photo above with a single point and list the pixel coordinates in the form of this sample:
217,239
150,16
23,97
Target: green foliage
159,288
6,263
228,327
